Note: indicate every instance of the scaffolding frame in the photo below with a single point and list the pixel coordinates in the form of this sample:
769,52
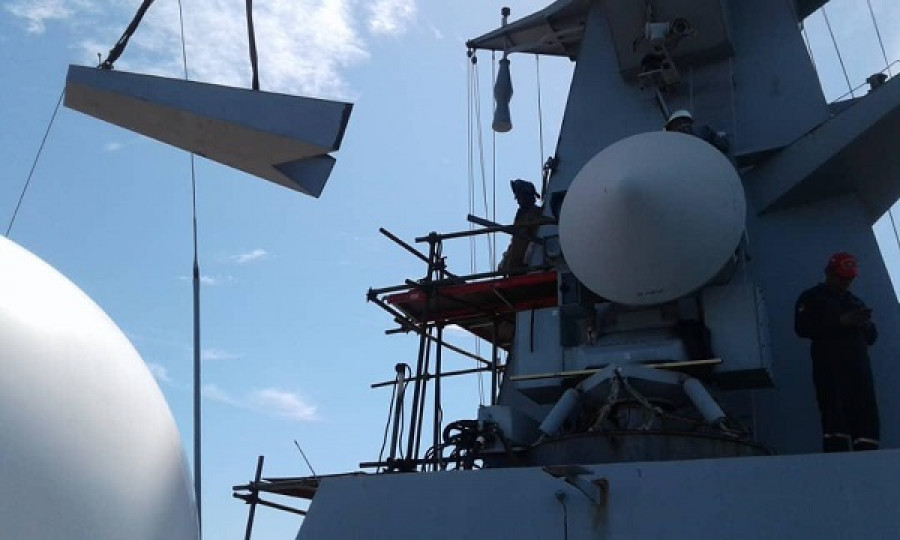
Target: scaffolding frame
435,308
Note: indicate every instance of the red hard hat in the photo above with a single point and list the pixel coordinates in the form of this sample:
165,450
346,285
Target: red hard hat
843,265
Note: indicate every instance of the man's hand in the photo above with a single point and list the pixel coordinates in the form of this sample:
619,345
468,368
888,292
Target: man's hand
856,317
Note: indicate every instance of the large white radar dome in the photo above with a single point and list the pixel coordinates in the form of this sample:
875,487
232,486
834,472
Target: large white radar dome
88,446
652,218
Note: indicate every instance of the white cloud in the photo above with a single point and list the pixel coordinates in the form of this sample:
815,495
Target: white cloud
436,32
160,373
303,45
217,354
213,392
212,281
391,17
113,146
282,403
250,256
38,12
268,401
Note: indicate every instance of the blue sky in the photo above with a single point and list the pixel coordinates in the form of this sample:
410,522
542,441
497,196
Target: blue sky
289,343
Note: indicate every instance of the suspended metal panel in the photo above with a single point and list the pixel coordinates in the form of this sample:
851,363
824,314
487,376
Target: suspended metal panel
281,138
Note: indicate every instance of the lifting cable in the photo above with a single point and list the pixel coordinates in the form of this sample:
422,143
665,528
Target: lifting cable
887,63
251,35
494,167
196,298
838,51
472,122
119,47
34,163
476,88
890,214
880,41
540,113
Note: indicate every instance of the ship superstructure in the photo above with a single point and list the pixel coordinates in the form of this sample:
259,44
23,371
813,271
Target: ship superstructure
645,376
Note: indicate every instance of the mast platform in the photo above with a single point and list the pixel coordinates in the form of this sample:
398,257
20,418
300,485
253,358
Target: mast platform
480,307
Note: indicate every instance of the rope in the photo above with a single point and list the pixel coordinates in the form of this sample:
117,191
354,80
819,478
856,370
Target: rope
119,47
838,51
894,226
540,111
37,157
251,35
494,167
481,160
878,33
471,95
183,48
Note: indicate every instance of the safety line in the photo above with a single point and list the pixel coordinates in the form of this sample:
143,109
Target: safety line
494,167
838,51
540,111
37,157
196,319
878,33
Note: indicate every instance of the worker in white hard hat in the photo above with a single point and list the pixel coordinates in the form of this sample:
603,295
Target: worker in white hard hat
680,120
683,122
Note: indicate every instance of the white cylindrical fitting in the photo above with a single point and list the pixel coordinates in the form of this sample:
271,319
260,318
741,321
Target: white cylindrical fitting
560,412
704,402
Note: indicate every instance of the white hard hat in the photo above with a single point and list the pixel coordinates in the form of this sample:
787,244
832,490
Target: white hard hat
680,113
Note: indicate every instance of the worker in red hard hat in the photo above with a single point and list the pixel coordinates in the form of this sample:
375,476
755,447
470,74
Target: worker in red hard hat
526,223
841,330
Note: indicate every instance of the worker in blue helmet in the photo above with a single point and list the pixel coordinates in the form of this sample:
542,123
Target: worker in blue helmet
526,223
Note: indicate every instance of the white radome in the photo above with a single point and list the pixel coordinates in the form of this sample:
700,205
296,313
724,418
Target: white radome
652,217
88,446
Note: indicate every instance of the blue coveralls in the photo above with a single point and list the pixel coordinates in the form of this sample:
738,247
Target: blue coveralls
841,371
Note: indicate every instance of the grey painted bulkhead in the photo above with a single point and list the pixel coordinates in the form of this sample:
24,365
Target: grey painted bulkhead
767,99
783,497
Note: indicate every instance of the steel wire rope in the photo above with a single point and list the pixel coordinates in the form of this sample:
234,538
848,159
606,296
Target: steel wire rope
251,38
481,160
478,136
34,163
494,167
838,51
540,113
198,484
802,25
120,45
878,34
890,214
470,165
